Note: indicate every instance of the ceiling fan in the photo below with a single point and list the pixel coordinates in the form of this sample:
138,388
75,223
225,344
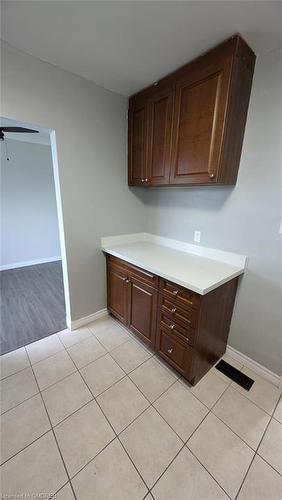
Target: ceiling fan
20,130
17,130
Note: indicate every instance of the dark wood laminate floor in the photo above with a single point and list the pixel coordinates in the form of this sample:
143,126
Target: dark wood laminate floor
32,304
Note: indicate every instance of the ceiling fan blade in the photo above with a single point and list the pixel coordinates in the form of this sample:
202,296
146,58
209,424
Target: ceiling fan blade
19,130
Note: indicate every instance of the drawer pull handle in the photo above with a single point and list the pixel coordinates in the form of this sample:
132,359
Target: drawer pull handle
175,292
173,310
170,351
171,327
190,302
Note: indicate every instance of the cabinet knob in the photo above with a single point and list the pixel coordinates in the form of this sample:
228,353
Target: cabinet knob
175,292
142,180
146,180
170,351
127,280
212,176
173,310
171,327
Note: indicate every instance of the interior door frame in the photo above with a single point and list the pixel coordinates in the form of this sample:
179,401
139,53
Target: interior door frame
54,153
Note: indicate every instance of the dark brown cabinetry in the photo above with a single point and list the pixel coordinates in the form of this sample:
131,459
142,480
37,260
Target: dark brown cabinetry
142,310
138,143
188,129
188,330
118,292
132,298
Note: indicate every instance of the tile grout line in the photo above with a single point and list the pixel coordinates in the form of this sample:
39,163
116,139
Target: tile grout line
93,397
232,430
43,402
184,442
195,430
24,448
256,453
150,404
246,397
116,436
185,445
53,497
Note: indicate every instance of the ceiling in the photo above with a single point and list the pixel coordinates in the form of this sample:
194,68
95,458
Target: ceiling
125,46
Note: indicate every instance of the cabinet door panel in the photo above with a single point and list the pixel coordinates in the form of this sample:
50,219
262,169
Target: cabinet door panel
160,128
201,103
118,293
138,142
143,310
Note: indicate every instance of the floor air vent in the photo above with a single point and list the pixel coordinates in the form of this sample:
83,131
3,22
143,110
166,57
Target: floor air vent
234,374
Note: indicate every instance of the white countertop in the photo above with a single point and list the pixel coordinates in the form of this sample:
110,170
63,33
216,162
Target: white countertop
182,264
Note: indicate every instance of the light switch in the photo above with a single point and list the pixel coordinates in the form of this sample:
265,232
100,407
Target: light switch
197,236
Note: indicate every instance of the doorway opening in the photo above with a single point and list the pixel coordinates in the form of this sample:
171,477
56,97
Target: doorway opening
34,285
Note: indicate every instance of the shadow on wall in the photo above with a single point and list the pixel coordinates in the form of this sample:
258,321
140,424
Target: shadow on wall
213,198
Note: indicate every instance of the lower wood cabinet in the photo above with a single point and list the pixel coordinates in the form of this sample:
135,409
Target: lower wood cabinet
142,310
132,298
188,330
118,292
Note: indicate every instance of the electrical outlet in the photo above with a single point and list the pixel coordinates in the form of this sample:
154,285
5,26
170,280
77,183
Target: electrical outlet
197,236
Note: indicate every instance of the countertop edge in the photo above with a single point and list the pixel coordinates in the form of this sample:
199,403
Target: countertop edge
185,284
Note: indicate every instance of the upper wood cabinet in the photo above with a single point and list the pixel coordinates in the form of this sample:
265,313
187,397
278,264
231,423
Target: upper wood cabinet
159,137
138,142
188,129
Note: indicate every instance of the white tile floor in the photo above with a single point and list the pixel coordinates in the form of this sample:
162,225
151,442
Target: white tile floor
94,415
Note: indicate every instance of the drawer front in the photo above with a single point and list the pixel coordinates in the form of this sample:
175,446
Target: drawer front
180,295
134,271
176,330
174,352
186,317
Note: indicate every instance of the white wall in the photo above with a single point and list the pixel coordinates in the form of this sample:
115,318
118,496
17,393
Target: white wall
90,126
29,229
243,219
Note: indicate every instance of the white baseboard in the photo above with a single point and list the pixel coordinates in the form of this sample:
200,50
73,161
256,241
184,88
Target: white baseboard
77,323
253,365
27,263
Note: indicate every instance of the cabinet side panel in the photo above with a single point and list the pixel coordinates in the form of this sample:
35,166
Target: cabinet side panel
241,85
213,328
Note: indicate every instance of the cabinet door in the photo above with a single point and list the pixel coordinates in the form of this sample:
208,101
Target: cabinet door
199,117
142,311
160,129
118,292
138,144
